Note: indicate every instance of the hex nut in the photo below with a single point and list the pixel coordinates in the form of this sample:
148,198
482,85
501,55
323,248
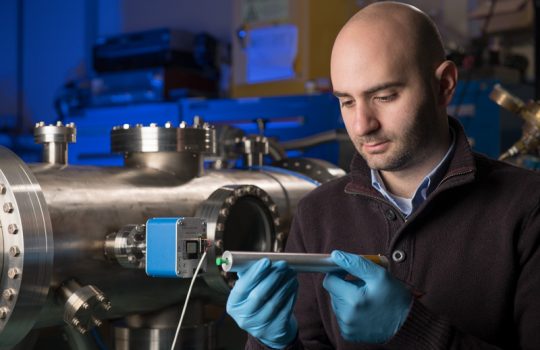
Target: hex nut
3,312
8,207
8,294
14,251
13,273
13,229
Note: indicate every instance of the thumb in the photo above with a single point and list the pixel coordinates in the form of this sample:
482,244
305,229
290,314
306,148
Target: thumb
356,265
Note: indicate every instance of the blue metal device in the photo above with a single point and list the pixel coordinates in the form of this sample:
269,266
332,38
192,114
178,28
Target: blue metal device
174,246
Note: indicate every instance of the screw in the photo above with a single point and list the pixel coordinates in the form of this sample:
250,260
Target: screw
96,321
8,207
13,229
14,251
107,306
3,312
3,189
8,294
13,273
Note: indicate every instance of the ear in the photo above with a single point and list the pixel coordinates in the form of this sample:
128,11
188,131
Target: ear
446,76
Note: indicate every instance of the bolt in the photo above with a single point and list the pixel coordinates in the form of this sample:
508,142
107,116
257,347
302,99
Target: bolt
75,321
3,189
13,273
219,243
125,126
85,305
82,330
8,294
107,306
140,228
8,207
14,251
276,221
59,123
3,312
220,227
153,125
183,125
131,258
100,298
273,208
168,125
13,229
281,236
96,321
224,212
71,125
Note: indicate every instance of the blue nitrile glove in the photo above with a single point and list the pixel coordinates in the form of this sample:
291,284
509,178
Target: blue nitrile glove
370,309
262,302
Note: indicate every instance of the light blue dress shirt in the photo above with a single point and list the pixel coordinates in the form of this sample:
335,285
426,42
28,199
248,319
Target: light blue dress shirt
428,184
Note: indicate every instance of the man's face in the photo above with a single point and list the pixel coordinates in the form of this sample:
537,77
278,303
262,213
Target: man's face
387,103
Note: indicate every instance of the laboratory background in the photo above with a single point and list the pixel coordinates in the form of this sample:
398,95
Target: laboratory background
136,136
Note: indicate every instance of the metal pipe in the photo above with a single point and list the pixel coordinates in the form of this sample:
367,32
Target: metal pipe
234,261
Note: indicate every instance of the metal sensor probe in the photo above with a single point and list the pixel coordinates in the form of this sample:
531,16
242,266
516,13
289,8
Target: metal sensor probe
233,261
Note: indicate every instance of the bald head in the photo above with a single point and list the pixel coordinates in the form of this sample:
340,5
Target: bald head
401,24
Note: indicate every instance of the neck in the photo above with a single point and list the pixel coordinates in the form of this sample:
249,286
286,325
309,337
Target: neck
404,182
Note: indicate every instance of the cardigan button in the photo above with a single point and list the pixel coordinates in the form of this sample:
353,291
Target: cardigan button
390,215
398,256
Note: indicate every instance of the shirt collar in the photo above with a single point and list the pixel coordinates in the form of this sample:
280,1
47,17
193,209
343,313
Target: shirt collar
428,184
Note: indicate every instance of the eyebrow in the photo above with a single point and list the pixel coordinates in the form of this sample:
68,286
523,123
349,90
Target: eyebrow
373,89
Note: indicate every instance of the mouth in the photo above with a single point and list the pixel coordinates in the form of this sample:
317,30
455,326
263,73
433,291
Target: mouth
376,147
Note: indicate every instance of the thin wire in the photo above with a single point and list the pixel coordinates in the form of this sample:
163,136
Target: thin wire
187,299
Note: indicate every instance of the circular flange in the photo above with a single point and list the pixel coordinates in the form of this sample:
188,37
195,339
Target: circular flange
239,217
127,138
27,249
55,133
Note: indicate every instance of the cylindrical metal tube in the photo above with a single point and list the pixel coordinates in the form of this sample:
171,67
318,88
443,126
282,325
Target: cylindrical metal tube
234,261
55,153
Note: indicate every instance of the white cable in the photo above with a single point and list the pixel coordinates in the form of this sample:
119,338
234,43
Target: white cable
187,299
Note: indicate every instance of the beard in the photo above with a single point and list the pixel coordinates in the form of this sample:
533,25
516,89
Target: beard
405,150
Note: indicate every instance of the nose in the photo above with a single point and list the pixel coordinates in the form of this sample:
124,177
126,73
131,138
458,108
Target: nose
364,120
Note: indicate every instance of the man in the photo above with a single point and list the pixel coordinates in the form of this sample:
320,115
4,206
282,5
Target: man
461,231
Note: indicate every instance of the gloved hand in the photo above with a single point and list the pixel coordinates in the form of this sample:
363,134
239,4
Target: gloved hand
370,309
262,302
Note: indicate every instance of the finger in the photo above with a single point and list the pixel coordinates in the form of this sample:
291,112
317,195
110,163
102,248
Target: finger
284,297
250,278
338,288
271,289
357,265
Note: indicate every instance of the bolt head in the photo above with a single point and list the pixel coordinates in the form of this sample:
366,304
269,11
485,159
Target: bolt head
8,294
8,207
75,321
3,189
13,273
14,251
3,312
13,229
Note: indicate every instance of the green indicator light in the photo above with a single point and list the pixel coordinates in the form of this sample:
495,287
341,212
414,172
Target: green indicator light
220,261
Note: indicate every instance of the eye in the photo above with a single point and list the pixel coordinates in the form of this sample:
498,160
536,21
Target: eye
386,98
346,103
